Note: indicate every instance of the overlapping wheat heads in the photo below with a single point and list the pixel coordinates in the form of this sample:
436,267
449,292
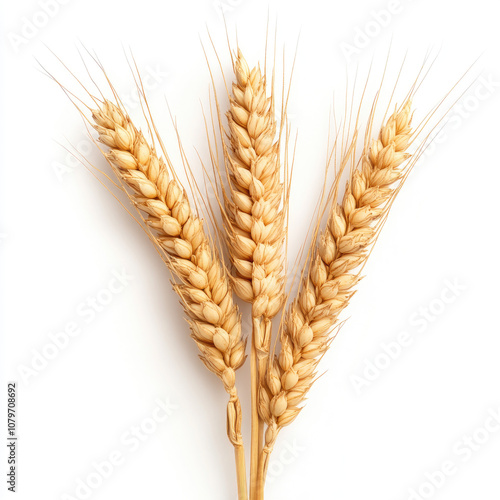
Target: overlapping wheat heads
254,206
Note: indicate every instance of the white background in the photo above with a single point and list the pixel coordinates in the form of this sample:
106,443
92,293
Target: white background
63,236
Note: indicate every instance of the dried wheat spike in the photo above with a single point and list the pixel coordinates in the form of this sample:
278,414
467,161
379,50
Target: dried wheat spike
203,286
255,219
343,246
255,225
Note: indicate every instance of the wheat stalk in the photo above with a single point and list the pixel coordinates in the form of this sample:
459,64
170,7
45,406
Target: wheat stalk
326,290
203,286
255,221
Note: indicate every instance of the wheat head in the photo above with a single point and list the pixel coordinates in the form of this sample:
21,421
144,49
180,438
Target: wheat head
255,218
203,285
255,224
326,290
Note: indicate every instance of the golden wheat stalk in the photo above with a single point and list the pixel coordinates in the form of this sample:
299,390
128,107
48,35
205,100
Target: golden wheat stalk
254,221
343,246
203,284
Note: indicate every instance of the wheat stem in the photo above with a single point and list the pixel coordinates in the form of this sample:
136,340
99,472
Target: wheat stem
255,436
264,457
241,473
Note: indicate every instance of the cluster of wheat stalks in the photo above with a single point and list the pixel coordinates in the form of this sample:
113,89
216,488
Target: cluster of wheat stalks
254,206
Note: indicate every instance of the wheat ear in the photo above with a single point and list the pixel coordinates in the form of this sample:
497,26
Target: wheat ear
343,246
255,221
203,286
